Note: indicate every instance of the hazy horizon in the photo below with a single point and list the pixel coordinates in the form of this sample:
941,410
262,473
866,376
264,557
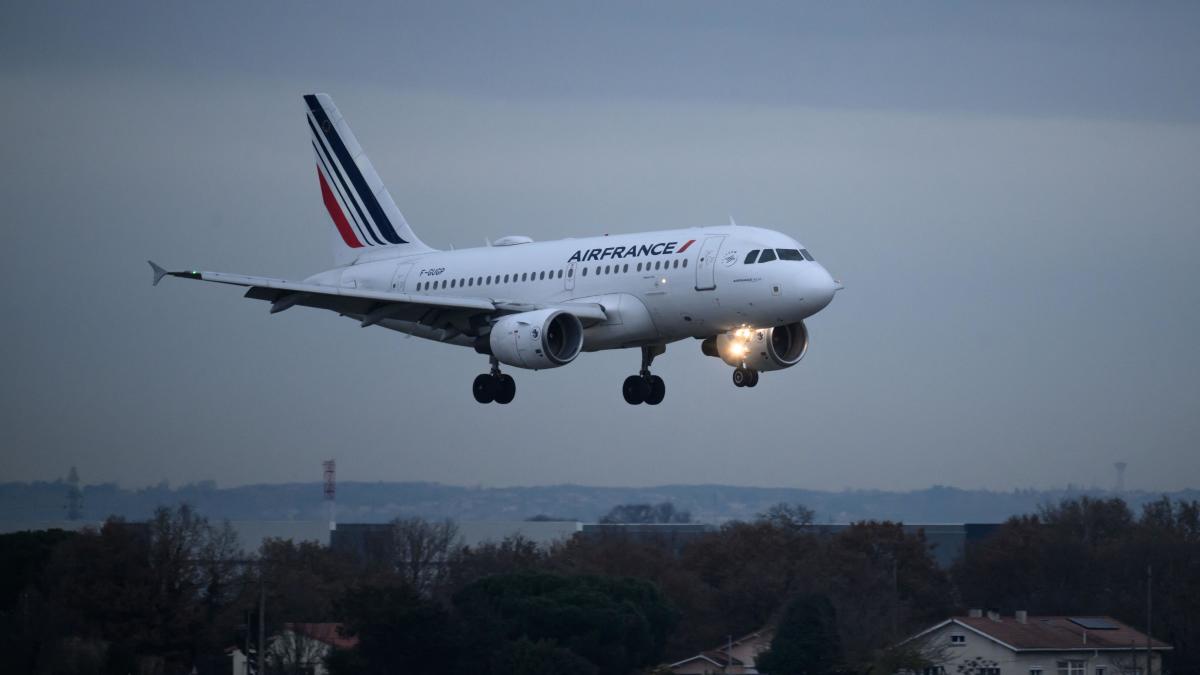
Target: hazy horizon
1009,193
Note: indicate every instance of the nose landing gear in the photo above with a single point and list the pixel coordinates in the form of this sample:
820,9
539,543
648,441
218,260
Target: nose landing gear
745,377
494,386
645,387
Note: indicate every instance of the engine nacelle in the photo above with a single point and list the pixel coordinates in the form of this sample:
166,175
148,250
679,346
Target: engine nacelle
760,348
546,338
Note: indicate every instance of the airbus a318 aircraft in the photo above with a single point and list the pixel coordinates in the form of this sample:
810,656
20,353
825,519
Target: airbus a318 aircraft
743,292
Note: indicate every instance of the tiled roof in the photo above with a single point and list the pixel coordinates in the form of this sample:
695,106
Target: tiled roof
1058,632
324,632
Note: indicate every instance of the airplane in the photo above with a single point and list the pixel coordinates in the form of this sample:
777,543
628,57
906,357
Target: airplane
743,292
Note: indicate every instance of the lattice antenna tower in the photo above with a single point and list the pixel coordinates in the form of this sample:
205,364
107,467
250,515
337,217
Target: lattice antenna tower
331,492
1120,467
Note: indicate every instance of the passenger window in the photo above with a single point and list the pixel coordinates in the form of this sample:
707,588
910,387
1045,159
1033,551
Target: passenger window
626,268
524,276
452,283
607,269
767,255
479,281
470,282
751,257
685,262
676,264
807,256
571,272
639,267
542,276
597,269
789,254
658,264
585,271
560,274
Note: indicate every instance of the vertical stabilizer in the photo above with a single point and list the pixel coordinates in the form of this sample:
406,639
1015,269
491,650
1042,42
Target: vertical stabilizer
363,213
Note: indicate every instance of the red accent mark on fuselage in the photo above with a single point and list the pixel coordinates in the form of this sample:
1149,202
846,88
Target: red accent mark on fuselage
335,212
685,246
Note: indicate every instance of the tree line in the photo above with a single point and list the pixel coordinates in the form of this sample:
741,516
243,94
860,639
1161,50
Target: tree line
173,593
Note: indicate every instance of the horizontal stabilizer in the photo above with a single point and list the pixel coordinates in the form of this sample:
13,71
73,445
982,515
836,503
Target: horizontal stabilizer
159,272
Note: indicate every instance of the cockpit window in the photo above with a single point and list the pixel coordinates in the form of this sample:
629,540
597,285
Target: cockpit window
751,257
807,256
789,254
767,255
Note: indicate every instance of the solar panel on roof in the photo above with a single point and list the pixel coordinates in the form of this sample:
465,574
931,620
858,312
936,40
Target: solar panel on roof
1093,623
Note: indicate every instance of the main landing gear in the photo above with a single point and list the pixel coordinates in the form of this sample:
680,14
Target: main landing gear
494,386
644,387
744,377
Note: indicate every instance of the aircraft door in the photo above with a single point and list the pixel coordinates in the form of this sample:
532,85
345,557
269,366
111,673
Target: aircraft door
569,280
401,275
706,263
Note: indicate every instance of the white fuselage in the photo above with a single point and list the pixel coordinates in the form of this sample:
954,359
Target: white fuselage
655,287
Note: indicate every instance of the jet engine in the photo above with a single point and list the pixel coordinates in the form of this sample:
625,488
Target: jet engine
545,338
760,348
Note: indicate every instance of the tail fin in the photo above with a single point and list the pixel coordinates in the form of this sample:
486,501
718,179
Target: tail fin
362,210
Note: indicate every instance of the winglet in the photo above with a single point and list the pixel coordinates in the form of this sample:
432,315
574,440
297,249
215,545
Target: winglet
159,272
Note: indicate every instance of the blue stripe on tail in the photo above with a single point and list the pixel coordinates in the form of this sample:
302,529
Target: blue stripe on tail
351,169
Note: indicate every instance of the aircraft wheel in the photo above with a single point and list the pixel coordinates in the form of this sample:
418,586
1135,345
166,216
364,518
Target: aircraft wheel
484,388
753,381
740,377
506,389
635,389
658,390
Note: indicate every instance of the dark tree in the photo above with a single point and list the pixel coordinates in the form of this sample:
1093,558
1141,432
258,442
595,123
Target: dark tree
526,657
616,624
806,640
885,585
418,550
646,513
398,631
789,516
513,554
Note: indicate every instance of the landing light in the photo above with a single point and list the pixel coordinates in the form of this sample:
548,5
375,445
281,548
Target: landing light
737,349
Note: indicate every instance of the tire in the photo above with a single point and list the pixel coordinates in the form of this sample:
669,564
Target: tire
635,390
484,388
658,390
740,377
753,381
506,389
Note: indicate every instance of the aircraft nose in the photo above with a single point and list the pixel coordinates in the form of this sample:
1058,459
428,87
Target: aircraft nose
819,287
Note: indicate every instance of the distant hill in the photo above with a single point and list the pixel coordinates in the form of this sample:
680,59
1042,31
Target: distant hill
380,502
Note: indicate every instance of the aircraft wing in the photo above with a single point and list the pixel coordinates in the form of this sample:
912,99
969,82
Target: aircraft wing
371,306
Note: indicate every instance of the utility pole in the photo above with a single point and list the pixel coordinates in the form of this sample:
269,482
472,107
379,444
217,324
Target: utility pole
1149,614
262,625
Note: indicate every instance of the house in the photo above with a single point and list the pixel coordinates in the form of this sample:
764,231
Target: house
299,648
735,657
991,644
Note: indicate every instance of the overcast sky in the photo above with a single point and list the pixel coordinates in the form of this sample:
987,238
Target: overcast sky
1010,194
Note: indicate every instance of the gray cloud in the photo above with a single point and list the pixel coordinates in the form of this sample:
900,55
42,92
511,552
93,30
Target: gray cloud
1009,194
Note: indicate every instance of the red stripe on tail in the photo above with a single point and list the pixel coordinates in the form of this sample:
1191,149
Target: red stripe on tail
335,212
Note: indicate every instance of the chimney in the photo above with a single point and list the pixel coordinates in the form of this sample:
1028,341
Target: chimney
1021,616
975,613
993,615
